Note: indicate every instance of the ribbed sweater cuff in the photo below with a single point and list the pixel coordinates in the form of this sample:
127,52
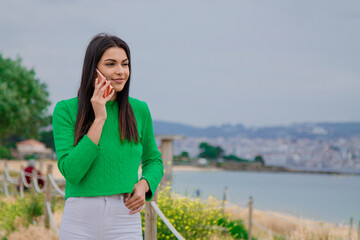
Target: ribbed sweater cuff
88,147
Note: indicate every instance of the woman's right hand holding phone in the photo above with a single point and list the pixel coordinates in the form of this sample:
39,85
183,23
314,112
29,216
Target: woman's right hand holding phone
98,100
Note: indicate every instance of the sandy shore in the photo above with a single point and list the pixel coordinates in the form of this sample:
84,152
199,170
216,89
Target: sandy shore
195,168
16,165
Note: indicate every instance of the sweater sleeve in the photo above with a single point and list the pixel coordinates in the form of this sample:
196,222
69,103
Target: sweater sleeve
73,161
152,164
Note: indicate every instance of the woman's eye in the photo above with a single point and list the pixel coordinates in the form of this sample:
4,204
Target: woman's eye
110,64
125,64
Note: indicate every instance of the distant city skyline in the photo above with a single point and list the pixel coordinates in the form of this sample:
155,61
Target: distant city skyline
203,63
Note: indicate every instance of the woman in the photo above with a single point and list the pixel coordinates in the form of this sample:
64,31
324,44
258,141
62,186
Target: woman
100,137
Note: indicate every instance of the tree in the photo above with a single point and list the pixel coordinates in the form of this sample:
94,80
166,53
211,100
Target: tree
235,158
184,154
47,138
23,101
260,160
209,151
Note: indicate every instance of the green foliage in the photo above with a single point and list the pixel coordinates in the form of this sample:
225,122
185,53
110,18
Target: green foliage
57,203
47,138
259,159
191,217
33,207
5,153
30,156
23,100
279,238
9,212
210,152
184,156
10,142
195,218
235,158
28,209
235,228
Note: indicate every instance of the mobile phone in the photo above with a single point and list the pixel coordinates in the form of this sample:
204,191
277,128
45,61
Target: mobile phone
109,88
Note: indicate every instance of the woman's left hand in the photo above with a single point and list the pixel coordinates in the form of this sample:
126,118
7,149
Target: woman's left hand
136,199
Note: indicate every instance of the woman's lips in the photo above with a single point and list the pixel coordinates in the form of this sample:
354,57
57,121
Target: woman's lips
119,80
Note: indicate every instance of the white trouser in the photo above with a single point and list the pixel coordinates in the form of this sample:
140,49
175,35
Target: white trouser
99,218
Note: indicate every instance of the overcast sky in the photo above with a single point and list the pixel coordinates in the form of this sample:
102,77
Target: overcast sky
258,63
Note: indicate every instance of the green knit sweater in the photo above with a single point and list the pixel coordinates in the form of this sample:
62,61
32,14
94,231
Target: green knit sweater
111,167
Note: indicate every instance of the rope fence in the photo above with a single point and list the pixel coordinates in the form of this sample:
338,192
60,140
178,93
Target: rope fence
36,185
50,183
22,175
48,209
166,221
56,187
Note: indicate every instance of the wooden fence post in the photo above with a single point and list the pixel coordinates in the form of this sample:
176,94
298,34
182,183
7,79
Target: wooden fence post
224,199
150,220
41,165
167,156
47,195
21,183
33,178
250,217
6,189
350,228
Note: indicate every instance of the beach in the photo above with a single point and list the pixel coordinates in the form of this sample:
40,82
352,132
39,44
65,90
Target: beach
16,165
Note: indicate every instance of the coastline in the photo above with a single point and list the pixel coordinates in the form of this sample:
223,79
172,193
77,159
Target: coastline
16,165
189,168
257,168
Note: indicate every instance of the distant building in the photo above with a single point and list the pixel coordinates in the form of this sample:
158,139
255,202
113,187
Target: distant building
203,162
33,147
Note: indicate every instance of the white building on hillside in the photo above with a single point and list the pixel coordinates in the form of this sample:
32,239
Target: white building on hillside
31,146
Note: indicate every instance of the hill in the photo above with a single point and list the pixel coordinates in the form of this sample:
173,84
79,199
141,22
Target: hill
322,130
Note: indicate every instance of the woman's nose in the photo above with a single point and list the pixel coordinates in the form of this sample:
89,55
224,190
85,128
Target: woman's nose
119,70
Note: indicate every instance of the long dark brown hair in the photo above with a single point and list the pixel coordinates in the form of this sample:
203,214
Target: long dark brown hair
85,116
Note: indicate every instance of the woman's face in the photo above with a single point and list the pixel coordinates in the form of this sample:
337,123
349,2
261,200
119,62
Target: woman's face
114,65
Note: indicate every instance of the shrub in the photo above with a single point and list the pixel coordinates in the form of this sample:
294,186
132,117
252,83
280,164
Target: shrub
195,218
33,207
5,153
235,228
28,209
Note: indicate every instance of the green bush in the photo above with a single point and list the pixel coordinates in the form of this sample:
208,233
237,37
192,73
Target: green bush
57,203
5,153
33,207
28,209
195,218
235,227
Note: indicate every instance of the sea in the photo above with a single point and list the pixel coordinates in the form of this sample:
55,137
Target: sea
319,197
